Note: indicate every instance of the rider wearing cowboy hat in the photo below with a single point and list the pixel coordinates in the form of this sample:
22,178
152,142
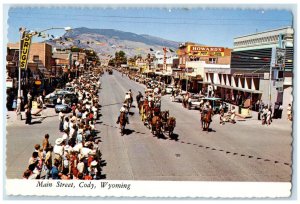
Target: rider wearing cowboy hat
123,110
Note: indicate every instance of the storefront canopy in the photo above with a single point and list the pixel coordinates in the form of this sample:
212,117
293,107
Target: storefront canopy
239,89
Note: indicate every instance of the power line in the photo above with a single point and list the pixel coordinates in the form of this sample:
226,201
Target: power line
158,18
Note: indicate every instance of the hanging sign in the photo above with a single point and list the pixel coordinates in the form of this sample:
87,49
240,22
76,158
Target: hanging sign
25,51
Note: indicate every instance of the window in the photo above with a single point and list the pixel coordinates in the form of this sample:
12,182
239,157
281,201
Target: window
35,58
212,60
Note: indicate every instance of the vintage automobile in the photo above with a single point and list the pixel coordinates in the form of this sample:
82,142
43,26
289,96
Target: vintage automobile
169,89
195,102
65,108
51,99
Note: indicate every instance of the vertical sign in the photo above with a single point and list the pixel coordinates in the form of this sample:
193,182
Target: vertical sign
25,46
273,57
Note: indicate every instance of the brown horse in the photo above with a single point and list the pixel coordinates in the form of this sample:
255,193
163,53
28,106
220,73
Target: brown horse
206,119
123,121
156,125
164,117
171,123
140,105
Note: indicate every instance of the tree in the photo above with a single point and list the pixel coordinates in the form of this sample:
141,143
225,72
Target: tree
111,62
120,58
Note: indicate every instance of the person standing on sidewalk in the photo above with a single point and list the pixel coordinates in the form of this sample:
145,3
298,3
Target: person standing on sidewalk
29,98
14,105
269,114
289,112
48,161
61,121
28,116
19,104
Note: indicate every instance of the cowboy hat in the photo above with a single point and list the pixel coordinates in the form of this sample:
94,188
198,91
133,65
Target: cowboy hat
94,163
58,141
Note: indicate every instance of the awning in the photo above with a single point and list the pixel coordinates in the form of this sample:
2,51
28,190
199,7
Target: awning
204,82
238,89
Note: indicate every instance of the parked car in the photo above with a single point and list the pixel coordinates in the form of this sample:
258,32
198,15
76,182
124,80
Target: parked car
51,99
69,88
65,108
196,101
169,89
179,98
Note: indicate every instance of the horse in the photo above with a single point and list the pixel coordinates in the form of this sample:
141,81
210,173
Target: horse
140,106
171,123
149,117
164,117
156,125
145,110
206,119
123,121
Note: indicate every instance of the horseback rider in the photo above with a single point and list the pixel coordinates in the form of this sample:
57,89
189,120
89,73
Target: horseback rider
138,97
123,109
205,109
128,98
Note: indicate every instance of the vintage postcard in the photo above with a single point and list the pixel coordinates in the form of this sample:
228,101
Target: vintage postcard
180,102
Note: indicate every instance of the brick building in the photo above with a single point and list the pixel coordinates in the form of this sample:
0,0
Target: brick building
40,56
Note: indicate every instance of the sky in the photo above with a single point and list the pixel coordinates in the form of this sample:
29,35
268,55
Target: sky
214,27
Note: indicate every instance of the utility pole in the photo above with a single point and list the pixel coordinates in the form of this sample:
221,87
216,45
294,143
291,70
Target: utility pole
272,64
19,115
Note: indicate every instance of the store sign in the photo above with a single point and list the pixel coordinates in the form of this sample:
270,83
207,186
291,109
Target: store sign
206,51
25,51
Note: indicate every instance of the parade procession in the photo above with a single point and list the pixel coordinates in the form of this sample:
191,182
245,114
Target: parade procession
89,103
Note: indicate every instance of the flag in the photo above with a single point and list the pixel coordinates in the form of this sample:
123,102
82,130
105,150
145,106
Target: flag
171,50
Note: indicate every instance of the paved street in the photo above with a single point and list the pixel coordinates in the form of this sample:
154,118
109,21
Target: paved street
245,151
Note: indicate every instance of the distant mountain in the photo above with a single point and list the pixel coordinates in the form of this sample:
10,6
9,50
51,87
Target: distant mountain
108,41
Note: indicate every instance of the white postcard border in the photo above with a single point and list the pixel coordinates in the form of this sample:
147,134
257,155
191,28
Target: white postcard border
128,188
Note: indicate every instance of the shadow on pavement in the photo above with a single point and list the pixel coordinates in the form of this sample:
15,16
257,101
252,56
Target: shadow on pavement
35,122
128,131
112,104
174,137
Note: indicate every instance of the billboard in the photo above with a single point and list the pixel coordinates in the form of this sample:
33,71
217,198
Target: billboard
203,51
26,42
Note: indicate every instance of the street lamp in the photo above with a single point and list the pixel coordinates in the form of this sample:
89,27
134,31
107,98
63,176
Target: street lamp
33,33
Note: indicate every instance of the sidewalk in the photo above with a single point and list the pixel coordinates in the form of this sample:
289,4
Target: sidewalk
12,119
